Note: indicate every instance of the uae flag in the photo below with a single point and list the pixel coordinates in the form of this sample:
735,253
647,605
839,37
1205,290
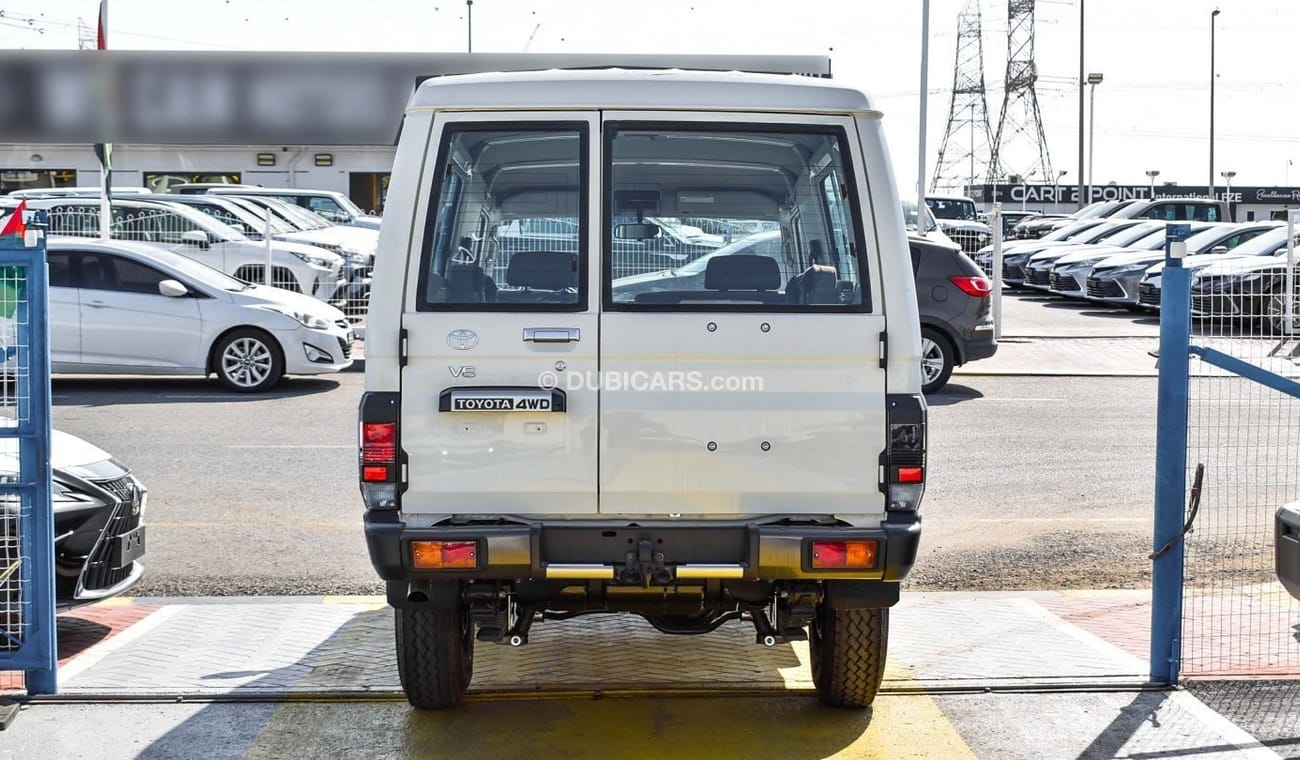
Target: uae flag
12,278
16,225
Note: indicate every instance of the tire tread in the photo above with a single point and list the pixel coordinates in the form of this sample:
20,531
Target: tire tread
432,663
853,649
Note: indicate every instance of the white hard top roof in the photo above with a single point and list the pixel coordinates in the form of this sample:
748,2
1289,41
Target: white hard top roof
640,89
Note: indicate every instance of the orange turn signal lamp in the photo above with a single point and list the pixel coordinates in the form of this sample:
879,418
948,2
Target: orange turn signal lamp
444,555
844,555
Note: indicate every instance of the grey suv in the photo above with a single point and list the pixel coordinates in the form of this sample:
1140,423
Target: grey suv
1286,539
954,298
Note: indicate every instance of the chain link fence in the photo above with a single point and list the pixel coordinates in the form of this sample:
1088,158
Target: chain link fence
327,274
15,411
1237,618
680,241
26,543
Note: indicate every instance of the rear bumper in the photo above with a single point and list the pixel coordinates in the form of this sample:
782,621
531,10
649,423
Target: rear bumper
978,343
1286,538
584,550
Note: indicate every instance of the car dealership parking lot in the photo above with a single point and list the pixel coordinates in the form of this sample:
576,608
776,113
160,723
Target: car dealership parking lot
258,494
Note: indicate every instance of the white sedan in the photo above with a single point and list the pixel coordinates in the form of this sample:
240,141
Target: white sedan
120,307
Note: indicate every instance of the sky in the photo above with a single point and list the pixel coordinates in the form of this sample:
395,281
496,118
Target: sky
1152,109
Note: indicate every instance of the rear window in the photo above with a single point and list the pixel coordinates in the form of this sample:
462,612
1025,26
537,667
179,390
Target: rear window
730,218
952,208
507,225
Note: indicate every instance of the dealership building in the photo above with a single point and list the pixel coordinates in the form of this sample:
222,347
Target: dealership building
312,120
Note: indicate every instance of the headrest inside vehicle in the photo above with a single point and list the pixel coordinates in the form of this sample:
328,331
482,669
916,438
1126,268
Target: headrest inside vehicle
543,270
742,272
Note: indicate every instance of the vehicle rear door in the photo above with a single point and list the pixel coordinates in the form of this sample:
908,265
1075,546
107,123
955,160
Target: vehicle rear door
757,388
497,415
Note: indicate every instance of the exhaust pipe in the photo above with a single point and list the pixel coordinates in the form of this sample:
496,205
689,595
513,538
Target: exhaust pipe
418,592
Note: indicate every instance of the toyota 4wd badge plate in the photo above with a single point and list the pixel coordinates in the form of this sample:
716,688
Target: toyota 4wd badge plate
501,400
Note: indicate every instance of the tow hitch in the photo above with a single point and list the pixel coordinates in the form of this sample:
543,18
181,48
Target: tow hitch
645,566
795,606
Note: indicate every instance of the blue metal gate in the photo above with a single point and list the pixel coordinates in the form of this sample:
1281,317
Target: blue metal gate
27,636
1228,436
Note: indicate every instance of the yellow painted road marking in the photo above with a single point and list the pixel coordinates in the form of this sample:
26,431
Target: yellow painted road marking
754,728
677,723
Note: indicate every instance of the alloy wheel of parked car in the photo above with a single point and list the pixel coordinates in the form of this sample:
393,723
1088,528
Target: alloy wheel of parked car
1277,311
936,360
248,361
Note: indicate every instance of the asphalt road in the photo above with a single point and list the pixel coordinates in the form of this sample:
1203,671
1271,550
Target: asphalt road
1029,483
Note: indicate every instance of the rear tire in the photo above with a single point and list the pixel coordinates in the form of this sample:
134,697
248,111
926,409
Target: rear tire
435,655
848,650
937,360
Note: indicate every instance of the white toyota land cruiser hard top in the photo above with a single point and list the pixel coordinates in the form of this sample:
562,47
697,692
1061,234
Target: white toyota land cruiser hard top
722,425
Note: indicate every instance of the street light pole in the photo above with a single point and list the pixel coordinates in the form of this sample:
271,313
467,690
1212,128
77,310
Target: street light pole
1083,201
1093,81
1227,176
1213,15
469,26
1151,178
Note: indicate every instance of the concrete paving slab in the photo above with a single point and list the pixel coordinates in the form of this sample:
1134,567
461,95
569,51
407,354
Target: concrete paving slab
996,639
276,647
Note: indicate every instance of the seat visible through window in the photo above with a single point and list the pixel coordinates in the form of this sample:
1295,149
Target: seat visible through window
540,277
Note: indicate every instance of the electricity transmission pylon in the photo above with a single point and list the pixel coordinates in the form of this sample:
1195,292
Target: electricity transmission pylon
85,35
1020,127
966,152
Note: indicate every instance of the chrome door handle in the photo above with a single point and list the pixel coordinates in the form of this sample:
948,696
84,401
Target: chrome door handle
552,335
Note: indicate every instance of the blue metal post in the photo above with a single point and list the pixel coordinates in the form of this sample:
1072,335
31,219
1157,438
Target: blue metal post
34,461
1171,460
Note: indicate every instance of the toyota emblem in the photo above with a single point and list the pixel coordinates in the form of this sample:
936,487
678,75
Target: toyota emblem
462,340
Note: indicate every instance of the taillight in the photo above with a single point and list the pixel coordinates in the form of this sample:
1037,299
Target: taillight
973,286
380,453
910,475
843,555
444,555
902,463
378,450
